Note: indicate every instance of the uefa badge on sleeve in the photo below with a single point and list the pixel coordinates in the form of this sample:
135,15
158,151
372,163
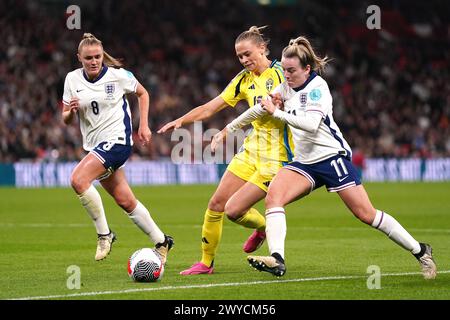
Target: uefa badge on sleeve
109,89
315,94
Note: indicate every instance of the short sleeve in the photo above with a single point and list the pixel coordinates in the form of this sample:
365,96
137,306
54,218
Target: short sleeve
67,95
232,94
127,81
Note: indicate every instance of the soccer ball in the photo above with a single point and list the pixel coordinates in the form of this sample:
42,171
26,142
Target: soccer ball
145,266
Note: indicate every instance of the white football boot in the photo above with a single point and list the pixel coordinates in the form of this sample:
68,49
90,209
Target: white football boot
426,261
104,245
273,264
162,249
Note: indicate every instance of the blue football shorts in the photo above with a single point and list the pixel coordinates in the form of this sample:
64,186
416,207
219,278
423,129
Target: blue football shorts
336,173
112,156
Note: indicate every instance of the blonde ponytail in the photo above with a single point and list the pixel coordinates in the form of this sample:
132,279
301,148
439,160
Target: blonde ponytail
302,48
254,34
88,40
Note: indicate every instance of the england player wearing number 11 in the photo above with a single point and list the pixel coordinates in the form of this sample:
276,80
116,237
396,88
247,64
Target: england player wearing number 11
97,93
322,157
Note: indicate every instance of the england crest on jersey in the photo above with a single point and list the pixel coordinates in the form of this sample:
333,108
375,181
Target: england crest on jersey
303,97
109,89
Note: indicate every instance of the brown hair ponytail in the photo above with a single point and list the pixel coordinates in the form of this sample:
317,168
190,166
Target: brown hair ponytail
301,48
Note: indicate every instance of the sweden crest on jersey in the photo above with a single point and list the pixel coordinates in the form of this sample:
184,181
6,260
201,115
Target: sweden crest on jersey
269,84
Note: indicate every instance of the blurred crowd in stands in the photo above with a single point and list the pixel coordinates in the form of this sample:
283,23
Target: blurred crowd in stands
391,87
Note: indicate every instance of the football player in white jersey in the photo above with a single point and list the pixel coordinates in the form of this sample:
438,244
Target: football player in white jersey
97,93
321,157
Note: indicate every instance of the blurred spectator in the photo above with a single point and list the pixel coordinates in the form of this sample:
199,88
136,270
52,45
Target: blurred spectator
392,86
358,160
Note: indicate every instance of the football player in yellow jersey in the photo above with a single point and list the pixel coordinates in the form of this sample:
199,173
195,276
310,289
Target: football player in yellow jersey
247,177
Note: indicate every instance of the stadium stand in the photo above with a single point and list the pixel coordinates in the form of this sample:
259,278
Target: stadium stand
391,87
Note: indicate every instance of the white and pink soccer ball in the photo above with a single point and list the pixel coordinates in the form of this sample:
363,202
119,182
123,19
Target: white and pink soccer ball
145,266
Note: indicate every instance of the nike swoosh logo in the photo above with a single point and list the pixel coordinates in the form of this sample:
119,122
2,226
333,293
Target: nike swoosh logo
80,90
340,180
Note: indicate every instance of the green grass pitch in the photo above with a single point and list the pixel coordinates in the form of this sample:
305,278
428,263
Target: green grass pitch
328,251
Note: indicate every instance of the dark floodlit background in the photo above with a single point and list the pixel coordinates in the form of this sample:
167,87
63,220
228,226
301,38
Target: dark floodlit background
391,87
391,96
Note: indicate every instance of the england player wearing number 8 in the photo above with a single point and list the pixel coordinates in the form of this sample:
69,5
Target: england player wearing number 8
97,93
321,157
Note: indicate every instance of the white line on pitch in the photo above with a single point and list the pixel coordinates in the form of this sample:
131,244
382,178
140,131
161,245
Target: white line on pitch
202,286
85,225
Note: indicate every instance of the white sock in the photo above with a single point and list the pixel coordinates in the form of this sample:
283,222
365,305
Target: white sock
141,217
276,230
387,224
92,202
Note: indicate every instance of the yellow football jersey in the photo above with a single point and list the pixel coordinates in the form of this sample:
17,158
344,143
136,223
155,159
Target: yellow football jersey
270,138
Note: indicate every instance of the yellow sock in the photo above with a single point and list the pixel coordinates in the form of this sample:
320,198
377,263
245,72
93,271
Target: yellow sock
252,219
211,234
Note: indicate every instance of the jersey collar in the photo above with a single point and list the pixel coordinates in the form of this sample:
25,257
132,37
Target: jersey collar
312,75
101,74
270,66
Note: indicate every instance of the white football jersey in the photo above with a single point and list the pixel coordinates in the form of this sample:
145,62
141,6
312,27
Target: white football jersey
104,111
314,96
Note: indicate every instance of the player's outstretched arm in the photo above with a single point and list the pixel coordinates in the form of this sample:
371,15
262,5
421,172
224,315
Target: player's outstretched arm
144,132
306,121
200,113
246,118
257,111
218,139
